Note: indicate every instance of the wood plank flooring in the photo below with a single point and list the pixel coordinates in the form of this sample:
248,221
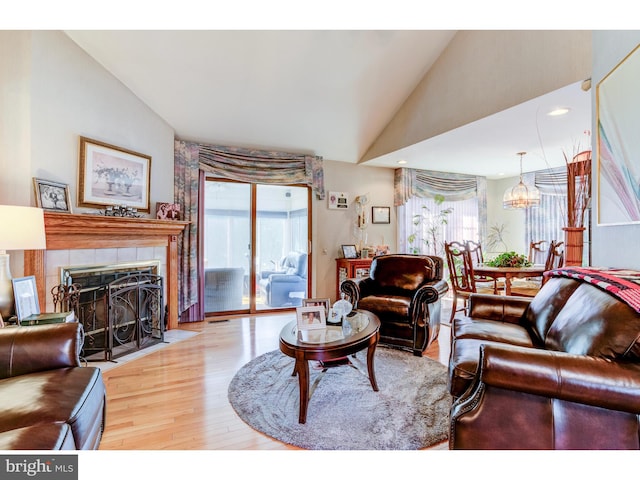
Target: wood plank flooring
176,398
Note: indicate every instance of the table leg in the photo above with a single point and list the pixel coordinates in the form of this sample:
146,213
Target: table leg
372,374
302,368
507,285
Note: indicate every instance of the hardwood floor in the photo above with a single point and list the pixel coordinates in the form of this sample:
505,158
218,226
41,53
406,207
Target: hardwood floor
176,398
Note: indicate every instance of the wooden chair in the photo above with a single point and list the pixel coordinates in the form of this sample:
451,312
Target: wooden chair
461,275
477,257
537,252
531,286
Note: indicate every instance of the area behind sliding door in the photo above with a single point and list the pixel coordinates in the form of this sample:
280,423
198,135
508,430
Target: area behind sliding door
255,242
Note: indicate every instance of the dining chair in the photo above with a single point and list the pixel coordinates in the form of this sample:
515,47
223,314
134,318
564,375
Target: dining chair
462,278
529,287
537,252
477,257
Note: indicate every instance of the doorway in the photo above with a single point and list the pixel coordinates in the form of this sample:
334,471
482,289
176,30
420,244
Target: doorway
255,247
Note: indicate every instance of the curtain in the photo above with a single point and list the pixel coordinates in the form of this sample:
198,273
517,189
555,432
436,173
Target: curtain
186,174
260,166
545,222
453,187
240,164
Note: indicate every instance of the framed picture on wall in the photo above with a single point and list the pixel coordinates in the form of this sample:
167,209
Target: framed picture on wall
110,175
380,214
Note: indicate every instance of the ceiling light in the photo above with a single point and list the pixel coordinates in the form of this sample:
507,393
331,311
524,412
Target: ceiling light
401,162
521,196
558,111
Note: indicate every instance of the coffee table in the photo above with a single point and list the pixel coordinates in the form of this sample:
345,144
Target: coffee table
365,334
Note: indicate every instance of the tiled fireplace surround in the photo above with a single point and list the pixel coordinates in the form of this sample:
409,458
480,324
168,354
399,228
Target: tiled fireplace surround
74,240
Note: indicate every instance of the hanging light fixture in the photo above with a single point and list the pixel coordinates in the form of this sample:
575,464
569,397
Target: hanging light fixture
521,196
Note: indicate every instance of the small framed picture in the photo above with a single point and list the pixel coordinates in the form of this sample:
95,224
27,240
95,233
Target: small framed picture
349,251
25,295
314,302
311,318
380,214
338,200
167,211
52,196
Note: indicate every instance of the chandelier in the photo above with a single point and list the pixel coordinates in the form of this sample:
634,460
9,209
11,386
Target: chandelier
521,196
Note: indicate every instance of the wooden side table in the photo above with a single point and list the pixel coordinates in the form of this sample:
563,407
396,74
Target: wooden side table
351,268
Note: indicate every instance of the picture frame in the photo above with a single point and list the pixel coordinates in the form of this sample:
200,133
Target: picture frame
52,196
111,175
311,318
380,214
312,302
349,251
167,211
338,201
25,296
618,143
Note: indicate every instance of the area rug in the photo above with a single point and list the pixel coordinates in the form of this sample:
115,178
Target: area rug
410,411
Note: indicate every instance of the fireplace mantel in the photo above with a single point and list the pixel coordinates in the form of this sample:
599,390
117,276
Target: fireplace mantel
66,231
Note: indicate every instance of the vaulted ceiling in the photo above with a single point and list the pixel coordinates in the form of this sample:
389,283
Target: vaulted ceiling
324,92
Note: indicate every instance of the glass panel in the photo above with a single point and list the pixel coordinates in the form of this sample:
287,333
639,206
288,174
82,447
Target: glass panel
281,246
227,241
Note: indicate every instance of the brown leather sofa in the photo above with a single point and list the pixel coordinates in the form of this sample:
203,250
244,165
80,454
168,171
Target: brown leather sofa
48,401
557,371
404,291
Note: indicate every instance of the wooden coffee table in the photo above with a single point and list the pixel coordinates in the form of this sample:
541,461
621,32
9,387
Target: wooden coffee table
365,335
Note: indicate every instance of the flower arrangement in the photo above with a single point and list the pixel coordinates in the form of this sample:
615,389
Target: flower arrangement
509,259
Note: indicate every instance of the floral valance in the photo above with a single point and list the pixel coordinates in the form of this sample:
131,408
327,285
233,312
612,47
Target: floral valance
409,182
261,166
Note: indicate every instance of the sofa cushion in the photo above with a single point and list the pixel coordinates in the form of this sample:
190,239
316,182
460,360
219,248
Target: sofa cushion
546,306
73,395
396,272
594,322
396,307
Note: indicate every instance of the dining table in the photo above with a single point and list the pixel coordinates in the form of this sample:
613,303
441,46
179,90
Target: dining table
508,273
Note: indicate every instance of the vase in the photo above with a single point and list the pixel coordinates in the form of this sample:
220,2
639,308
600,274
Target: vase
573,246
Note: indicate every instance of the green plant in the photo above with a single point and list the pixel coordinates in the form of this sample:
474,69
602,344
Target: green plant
428,227
509,259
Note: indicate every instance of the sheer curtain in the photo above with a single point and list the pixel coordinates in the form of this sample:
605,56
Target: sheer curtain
545,222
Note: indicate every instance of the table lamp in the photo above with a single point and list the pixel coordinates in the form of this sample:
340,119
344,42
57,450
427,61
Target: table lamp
22,229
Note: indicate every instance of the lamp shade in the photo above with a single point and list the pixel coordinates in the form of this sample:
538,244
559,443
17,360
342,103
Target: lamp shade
22,228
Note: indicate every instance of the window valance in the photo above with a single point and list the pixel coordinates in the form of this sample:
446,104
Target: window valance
552,181
409,182
261,166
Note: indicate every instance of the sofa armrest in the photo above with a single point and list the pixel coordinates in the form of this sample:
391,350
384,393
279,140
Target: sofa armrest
38,348
575,378
500,308
355,289
284,278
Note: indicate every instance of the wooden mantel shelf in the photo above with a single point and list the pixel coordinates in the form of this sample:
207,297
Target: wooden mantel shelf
66,231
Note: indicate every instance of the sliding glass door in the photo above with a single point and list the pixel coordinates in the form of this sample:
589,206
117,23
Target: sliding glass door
256,246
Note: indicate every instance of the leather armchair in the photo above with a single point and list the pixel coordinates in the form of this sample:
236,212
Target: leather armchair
404,291
288,286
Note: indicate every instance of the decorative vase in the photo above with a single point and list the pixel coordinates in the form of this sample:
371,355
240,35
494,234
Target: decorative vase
573,245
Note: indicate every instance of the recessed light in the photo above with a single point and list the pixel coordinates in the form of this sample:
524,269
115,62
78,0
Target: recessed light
401,162
558,111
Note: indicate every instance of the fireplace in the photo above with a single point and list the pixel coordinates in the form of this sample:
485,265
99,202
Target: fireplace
121,307
80,234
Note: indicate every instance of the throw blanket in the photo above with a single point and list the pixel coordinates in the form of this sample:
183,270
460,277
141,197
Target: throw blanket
624,284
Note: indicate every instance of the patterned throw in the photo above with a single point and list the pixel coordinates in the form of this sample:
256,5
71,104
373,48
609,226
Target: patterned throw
624,284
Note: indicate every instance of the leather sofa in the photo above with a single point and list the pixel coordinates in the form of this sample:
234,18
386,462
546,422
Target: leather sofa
560,370
405,292
48,400
287,286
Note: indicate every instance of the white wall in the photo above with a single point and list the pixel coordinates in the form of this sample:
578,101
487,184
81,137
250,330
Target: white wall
333,228
613,246
53,93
